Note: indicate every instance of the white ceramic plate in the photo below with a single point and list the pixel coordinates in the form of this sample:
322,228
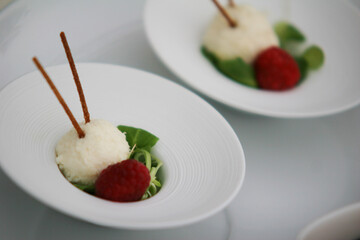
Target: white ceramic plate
175,29
204,163
343,224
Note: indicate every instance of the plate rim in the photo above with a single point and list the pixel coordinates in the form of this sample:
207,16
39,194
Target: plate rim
325,218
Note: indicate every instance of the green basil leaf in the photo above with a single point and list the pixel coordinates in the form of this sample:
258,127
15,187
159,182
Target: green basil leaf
288,33
235,69
209,55
143,139
239,71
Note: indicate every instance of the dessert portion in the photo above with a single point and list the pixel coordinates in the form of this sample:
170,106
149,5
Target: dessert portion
135,178
275,69
82,159
132,173
113,163
251,35
241,44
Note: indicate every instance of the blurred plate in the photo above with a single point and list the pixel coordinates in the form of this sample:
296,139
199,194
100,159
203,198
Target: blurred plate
175,30
341,224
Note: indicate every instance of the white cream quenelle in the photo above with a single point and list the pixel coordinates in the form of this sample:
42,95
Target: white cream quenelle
82,159
252,35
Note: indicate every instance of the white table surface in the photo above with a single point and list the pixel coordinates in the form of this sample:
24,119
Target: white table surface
297,170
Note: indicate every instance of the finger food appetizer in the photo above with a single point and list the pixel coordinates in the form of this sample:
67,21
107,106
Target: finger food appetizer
113,163
241,43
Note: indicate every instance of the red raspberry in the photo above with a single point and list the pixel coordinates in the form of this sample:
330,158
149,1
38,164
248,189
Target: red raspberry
275,69
125,181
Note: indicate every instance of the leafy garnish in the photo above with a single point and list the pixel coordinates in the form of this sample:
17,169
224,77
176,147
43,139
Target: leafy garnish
141,142
139,137
142,156
288,33
235,69
291,40
314,57
210,56
86,188
238,70
303,67
153,164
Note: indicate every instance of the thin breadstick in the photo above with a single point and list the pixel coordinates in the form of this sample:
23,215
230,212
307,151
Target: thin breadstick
76,77
60,98
231,22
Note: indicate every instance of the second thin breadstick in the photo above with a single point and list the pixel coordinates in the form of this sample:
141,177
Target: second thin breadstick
76,77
